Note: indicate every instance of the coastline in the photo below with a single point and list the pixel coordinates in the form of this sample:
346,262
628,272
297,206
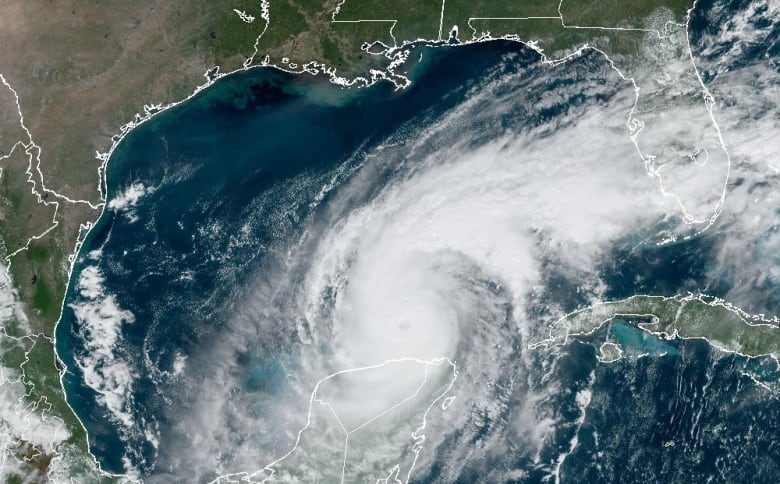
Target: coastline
398,56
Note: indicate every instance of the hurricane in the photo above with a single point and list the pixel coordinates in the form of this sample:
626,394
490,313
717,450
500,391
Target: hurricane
352,285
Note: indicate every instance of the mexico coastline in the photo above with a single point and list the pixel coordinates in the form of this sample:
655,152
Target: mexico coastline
192,336
262,125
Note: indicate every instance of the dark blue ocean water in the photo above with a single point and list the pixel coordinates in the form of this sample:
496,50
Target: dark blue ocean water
230,179
234,172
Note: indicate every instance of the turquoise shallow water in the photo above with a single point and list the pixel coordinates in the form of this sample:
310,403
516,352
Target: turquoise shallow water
205,201
637,340
228,179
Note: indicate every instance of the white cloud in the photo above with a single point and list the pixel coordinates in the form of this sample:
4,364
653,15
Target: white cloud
11,309
432,264
106,368
443,260
129,198
23,421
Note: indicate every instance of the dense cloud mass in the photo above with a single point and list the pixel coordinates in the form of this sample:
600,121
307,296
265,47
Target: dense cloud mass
739,58
385,333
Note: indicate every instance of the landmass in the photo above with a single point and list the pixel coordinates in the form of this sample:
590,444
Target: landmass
78,75
691,316
392,399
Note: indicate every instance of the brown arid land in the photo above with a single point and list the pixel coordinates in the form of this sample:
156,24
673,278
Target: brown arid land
75,73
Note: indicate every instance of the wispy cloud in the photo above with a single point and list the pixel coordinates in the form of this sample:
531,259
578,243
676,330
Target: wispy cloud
100,322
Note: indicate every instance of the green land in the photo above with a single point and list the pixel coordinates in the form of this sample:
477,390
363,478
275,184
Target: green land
84,68
723,326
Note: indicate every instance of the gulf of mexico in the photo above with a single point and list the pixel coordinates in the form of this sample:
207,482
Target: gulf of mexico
199,198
